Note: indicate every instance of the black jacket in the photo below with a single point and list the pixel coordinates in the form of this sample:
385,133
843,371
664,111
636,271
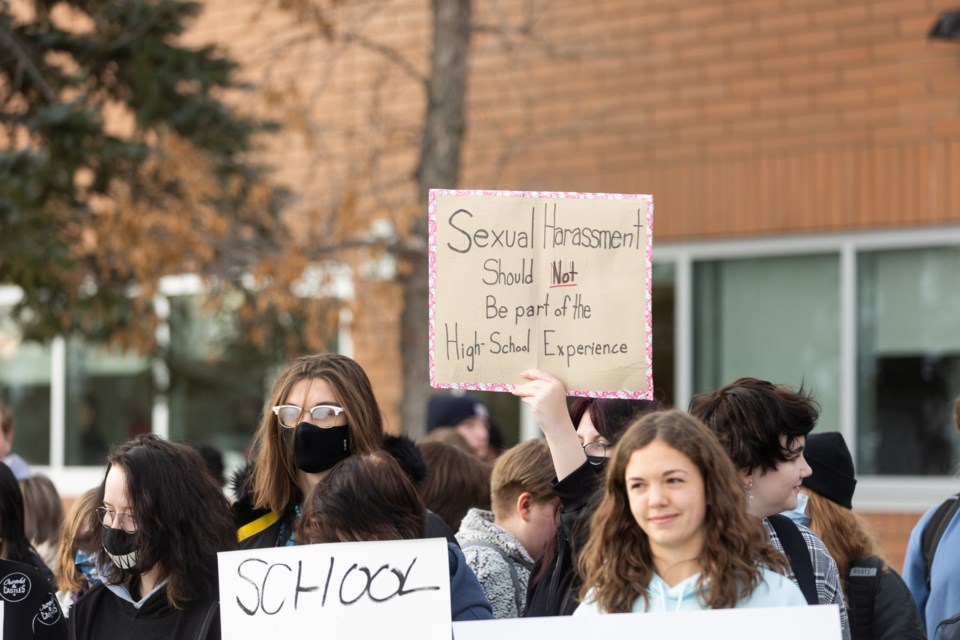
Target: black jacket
101,614
30,608
554,580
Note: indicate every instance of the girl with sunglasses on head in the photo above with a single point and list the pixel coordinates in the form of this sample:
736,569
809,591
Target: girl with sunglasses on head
580,440
162,521
321,410
672,532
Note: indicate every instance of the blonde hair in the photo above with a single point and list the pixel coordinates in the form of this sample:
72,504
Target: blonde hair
526,467
76,527
848,536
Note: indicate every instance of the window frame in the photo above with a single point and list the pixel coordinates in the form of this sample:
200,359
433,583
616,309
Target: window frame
895,494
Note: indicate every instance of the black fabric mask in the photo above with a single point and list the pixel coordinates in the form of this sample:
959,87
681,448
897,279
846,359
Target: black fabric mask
119,545
599,462
316,449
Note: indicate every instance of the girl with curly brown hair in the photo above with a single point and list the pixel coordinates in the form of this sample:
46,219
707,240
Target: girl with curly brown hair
672,532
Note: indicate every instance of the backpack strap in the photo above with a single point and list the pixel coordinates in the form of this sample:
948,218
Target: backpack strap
517,592
934,529
863,587
795,548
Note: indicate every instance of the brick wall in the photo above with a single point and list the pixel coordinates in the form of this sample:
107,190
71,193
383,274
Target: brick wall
742,117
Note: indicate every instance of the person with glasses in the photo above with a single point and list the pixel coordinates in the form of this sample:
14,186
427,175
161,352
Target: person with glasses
580,440
162,522
321,410
672,532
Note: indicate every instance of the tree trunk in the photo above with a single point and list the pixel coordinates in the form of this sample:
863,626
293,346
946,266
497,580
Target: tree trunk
439,168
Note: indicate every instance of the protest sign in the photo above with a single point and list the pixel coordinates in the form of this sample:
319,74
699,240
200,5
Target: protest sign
820,621
342,590
554,281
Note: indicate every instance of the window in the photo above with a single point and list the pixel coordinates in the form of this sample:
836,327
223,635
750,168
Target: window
775,319
25,388
908,365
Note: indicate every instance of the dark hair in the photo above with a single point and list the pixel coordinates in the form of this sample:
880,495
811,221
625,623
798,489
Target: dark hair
364,497
183,519
617,562
611,416
213,460
15,545
749,416
274,477
456,481
6,419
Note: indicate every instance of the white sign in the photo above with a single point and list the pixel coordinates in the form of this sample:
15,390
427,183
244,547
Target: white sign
343,590
783,623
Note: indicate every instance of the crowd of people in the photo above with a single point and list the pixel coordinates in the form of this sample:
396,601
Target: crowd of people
622,506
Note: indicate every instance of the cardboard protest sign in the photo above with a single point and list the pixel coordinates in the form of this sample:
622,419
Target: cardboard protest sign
342,590
554,281
820,621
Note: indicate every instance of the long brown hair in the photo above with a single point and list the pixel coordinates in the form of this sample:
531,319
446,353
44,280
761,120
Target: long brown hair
617,562
274,473
846,534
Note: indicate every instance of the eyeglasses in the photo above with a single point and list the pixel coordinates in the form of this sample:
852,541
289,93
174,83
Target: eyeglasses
289,414
596,451
113,519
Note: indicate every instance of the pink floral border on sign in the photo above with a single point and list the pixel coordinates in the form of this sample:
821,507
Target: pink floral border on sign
432,280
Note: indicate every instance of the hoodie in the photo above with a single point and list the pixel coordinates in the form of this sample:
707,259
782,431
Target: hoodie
774,590
490,551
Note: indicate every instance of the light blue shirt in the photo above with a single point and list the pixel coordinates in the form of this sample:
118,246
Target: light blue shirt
774,590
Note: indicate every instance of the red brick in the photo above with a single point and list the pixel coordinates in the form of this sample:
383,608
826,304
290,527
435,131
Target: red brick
728,31
848,13
784,103
756,47
905,89
754,86
927,109
811,40
854,96
901,133
844,56
894,8
728,109
869,115
812,79
783,23
729,68
669,115
700,13
870,32
811,121
729,148
786,63
900,49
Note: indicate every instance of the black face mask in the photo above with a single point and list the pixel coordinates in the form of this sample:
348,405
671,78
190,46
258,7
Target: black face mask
119,545
316,449
599,462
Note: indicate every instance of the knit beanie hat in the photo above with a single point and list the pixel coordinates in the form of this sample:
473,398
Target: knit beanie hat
449,411
832,465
